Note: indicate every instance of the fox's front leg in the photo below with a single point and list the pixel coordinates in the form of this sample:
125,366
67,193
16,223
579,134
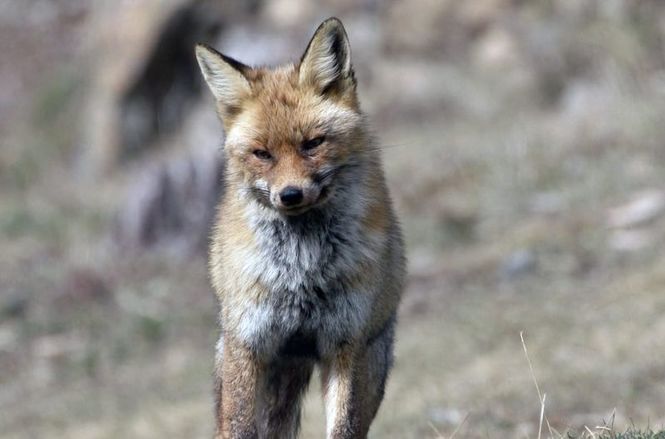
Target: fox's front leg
354,383
238,374
340,388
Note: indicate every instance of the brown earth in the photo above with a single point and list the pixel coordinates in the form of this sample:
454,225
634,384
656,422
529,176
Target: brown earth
524,148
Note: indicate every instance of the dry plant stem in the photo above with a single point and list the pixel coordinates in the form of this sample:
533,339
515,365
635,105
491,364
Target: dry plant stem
435,430
541,397
459,426
440,435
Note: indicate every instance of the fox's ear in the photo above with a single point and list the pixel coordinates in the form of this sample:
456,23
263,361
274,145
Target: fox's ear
224,75
326,63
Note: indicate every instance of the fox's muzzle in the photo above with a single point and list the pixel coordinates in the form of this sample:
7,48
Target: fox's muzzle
294,199
291,196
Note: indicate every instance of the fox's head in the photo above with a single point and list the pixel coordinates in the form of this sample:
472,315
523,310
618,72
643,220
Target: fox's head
290,130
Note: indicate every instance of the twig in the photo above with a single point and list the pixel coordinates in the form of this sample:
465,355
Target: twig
457,429
459,426
541,397
436,430
542,414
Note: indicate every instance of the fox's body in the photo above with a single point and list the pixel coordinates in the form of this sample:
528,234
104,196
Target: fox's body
306,257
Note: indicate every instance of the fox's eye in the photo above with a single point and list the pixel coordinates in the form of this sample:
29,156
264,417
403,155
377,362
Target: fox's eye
310,144
262,154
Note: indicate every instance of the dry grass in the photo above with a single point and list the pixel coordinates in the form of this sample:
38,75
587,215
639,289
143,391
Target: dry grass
504,192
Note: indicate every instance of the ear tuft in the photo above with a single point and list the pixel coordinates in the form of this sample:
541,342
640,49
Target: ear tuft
326,63
224,75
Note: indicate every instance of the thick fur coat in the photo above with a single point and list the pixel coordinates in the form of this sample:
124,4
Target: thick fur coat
306,256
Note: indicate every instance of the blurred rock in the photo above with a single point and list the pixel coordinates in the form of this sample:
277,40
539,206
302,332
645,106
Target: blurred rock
8,338
428,26
642,209
446,416
82,286
417,26
13,305
144,77
547,203
173,204
51,347
289,13
630,240
120,42
496,48
518,264
162,91
257,45
479,14
553,56
459,221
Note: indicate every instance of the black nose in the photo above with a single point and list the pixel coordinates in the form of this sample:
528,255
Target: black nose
291,196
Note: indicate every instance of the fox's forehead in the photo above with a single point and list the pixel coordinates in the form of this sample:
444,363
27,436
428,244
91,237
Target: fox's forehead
282,111
267,81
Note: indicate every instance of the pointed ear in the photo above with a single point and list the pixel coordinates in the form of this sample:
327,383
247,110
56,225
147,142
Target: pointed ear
224,75
326,63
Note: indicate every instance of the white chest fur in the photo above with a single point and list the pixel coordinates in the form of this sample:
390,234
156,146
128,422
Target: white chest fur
308,264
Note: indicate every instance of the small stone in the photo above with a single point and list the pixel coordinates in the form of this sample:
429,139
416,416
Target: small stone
642,209
546,203
13,306
497,48
518,264
630,240
445,416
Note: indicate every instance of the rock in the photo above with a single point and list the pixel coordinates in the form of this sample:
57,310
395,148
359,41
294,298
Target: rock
172,203
14,305
51,347
479,14
257,45
642,209
459,221
143,76
167,83
8,338
630,240
445,416
546,203
418,26
82,286
120,41
289,13
518,264
433,26
496,49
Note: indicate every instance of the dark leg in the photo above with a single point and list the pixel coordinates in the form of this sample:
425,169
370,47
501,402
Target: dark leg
280,397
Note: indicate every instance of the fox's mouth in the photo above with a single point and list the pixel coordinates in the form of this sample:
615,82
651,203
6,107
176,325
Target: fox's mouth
323,195
295,211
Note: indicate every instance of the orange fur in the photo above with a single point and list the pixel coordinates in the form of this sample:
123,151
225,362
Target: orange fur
314,279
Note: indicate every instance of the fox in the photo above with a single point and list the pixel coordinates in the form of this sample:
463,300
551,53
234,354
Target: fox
306,255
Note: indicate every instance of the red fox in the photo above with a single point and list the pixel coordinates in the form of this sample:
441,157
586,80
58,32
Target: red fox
306,256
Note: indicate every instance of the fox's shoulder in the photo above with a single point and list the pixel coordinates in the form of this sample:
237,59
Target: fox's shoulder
230,235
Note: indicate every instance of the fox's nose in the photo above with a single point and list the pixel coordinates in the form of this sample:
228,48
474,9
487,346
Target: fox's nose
291,196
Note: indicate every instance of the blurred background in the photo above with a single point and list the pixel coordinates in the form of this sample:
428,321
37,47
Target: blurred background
524,144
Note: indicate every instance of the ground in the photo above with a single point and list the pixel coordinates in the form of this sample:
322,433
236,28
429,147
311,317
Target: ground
527,167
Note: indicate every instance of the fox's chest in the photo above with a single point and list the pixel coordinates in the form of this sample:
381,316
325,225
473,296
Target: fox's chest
294,323
307,255
311,305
